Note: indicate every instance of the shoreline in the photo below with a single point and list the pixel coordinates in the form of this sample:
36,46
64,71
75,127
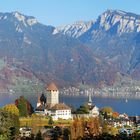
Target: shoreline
103,96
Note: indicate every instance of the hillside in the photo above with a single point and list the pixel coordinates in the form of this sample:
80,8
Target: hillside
30,52
91,53
114,37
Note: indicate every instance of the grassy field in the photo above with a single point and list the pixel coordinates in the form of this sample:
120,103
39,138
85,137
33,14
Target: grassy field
37,123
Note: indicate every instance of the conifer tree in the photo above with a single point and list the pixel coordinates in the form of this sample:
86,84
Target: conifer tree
39,136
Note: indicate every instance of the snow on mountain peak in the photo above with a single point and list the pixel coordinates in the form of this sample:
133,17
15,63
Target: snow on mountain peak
32,21
75,30
24,19
19,17
113,21
125,22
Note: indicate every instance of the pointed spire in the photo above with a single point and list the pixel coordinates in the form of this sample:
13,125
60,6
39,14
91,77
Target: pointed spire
89,99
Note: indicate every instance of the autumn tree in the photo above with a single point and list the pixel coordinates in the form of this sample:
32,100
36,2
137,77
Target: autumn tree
11,108
115,115
93,126
25,108
105,127
77,128
106,112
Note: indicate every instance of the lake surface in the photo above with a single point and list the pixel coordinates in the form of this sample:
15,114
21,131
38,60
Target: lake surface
131,107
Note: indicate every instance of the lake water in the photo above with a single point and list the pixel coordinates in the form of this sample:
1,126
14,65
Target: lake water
131,107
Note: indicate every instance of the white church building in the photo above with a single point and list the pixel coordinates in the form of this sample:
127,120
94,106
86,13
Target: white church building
93,109
52,107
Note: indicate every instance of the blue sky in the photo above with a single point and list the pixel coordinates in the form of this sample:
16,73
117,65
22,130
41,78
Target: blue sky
60,12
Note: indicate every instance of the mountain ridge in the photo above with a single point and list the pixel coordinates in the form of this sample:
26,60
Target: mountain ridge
91,53
129,22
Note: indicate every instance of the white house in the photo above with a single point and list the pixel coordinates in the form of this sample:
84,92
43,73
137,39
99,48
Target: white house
59,110
94,111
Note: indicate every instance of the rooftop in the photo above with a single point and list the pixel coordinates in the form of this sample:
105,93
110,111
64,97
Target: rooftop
51,86
60,106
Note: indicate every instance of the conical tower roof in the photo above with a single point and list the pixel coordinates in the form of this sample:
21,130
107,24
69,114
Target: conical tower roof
51,86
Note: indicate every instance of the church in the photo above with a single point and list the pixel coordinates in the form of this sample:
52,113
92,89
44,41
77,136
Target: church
93,109
51,106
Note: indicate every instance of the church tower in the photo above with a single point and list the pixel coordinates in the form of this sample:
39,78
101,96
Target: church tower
52,94
89,99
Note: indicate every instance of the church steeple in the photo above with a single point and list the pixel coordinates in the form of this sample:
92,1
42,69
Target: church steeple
89,99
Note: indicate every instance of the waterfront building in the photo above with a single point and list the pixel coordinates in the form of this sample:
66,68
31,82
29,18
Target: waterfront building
52,107
93,109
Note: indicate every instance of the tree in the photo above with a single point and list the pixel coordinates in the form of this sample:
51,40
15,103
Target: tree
105,127
39,136
77,128
11,108
115,115
9,125
43,99
106,112
25,108
66,134
57,133
94,126
82,110
50,122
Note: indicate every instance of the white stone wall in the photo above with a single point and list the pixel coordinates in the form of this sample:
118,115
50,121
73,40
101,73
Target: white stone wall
52,97
95,111
62,114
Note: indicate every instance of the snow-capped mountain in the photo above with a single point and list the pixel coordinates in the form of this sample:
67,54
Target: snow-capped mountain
122,21
113,36
75,30
114,21
30,50
19,18
27,21
91,52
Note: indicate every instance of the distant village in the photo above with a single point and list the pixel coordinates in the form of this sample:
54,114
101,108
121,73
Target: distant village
50,106
52,120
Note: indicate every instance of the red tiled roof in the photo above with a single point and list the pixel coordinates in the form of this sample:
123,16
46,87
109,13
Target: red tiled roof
60,106
51,86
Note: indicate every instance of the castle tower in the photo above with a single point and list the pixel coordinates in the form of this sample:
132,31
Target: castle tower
52,94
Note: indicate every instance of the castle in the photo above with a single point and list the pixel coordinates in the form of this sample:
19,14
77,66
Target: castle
51,106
